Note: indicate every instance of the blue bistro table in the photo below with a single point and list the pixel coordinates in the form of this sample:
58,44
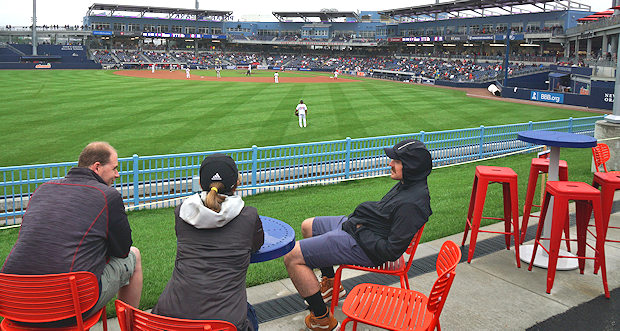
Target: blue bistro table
555,140
279,240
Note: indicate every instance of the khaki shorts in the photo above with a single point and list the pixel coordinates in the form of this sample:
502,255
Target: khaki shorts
115,275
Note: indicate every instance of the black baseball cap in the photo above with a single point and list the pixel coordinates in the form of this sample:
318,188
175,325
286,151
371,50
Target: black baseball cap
219,168
403,148
416,159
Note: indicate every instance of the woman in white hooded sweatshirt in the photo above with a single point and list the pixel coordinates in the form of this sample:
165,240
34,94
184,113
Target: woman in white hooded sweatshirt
216,234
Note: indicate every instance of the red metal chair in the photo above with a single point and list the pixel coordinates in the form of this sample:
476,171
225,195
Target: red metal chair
586,198
484,176
132,319
394,308
49,298
609,183
398,268
601,155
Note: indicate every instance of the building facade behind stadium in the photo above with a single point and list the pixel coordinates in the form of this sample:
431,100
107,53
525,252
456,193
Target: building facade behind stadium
536,33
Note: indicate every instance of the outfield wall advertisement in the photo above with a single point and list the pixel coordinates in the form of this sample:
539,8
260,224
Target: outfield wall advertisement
547,96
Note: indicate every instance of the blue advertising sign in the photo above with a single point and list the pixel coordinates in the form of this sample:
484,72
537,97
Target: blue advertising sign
547,96
102,33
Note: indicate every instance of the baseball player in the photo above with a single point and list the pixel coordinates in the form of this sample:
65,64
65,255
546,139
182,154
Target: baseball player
218,69
276,75
187,75
153,68
301,111
335,74
249,72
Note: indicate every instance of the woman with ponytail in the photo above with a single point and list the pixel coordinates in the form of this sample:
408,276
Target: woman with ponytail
216,234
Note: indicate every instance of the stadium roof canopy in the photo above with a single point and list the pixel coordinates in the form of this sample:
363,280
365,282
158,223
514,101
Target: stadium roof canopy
323,15
170,12
476,8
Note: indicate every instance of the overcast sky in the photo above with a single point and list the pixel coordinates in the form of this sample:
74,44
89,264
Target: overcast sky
19,12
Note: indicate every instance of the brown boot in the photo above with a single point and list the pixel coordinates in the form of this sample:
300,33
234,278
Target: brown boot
327,286
326,322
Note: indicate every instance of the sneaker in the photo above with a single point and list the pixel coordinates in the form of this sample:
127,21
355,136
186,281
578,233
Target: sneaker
325,323
327,285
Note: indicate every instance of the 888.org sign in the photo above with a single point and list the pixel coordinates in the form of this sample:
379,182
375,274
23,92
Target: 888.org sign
608,97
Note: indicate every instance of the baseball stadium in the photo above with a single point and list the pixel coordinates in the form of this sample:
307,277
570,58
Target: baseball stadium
313,109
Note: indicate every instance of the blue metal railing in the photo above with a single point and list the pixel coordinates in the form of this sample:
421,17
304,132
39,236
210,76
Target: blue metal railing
154,181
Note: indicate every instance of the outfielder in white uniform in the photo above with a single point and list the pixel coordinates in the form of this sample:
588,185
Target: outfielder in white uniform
335,74
153,68
276,75
301,111
187,75
217,71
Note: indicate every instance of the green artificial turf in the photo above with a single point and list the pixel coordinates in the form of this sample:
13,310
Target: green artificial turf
49,116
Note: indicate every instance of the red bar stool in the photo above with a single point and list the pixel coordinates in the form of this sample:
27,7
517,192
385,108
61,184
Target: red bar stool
583,194
484,176
609,183
540,166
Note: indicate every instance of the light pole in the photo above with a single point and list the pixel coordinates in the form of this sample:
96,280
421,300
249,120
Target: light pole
34,27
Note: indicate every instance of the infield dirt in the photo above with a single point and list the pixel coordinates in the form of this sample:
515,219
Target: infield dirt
164,74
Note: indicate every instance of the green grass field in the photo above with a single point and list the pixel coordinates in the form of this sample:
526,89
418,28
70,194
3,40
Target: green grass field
49,116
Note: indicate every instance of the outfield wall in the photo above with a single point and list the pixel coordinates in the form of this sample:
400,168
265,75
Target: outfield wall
601,96
163,180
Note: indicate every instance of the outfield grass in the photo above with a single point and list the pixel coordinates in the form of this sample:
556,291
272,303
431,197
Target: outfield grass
49,116
153,230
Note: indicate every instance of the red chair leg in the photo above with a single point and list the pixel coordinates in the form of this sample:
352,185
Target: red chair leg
541,223
600,242
404,278
560,210
582,226
507,213
336,289
480,197
470,210
514,207
529,198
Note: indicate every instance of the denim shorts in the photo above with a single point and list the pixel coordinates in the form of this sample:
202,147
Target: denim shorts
330,245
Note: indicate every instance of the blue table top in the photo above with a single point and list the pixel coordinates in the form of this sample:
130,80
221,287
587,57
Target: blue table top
279,240
557,139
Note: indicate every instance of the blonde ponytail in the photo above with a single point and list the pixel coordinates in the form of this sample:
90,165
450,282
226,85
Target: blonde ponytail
214,200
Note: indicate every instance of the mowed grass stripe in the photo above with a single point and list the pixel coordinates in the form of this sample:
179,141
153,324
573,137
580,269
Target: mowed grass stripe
48,116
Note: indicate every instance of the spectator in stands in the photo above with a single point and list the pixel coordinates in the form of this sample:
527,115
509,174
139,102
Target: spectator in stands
78,223
216,234
376,232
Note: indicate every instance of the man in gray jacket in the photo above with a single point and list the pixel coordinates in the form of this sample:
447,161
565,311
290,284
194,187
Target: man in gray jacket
376,232
78,223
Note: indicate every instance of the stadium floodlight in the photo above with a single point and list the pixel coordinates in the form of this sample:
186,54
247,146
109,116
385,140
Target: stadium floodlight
497,45
529,45
468,45
428,45
410,45
449,45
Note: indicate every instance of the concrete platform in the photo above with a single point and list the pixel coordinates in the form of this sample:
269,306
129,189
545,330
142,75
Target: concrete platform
491,293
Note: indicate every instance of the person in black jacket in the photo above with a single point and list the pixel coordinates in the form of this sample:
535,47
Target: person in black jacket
216,234
376,232
78,223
